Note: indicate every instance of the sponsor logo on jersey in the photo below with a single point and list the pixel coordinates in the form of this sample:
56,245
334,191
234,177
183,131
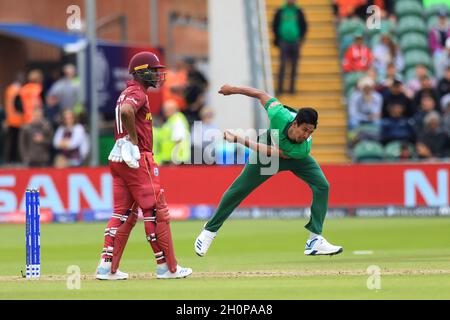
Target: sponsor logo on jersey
156,172
274,104
148,117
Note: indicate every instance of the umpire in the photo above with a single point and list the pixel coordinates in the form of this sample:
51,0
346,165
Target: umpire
290,28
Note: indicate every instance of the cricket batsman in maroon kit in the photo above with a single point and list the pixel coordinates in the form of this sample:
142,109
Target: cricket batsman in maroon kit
136,181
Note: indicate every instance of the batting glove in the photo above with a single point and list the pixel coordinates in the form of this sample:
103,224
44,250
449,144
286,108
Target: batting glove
116,155
130,154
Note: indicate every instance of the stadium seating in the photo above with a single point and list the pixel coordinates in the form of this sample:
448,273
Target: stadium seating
351,26
412,40
433,10
392,150
411,24
431,22
415,57
368,151
351,79
408,8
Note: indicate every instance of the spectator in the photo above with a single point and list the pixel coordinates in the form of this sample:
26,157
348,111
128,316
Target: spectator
427,88
406,151
442,62
174,136
31,95
14,120
438,36
415,84
386,52
202,136
446,120
347,8
195,92
443,87
70,141
390,76
64,94
427,105
2,132
396,127
433,142
395,93
290,29
35,141
387,5
175,84
365,104
358,57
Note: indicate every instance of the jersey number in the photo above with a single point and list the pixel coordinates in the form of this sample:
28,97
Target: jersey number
118,116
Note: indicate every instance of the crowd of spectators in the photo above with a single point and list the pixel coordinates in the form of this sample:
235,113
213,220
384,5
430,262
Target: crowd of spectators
398,99
184,103
39,121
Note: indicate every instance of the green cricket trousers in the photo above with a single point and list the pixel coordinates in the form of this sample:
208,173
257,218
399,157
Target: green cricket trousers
250,178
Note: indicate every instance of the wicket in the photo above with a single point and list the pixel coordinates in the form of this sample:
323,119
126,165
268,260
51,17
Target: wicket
33,234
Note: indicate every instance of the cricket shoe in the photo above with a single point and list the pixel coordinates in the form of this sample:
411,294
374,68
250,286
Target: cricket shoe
203,241
105,274
162,272
320,246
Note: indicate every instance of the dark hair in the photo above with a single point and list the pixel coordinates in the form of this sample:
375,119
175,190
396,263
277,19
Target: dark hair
308,116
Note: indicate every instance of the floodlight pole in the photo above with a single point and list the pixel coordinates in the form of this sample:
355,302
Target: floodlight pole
94,116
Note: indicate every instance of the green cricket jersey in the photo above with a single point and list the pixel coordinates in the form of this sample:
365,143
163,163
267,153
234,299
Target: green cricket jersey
281,119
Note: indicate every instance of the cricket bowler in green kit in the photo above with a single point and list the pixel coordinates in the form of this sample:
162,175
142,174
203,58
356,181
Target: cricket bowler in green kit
290,141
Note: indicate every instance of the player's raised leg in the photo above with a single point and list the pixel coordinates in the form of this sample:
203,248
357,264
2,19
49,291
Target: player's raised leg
249,179
309,171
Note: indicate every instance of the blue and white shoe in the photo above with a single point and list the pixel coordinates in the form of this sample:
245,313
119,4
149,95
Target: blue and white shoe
104,273
203,241
162,272
320,246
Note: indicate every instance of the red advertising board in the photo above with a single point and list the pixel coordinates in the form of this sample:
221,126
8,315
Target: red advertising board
73,190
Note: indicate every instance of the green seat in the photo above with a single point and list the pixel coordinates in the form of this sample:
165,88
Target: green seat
408,8
432,22
415,57
377,38
368,151
106,143
345,42
351,26
410,74
411,24
412,40
392,150
351,79
386,26
434,9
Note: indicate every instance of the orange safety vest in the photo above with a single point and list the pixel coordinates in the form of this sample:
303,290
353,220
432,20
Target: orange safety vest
175,79
31,98
13,118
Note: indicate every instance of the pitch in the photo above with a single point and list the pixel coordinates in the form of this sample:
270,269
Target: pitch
250,259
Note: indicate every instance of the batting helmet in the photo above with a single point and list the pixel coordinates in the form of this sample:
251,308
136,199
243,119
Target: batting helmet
145,66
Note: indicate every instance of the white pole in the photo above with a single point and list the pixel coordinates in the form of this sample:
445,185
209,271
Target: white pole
94,117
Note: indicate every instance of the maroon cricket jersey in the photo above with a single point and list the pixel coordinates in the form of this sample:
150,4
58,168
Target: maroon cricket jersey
136,95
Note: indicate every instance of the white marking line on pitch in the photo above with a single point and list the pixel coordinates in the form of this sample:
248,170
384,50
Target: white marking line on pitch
363,252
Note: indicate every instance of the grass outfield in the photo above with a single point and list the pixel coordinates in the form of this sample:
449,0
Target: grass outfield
250,259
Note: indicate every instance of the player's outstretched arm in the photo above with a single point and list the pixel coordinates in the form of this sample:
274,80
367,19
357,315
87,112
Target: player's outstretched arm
262,96
255,146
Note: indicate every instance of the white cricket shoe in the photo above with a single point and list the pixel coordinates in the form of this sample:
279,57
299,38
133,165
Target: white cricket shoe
104,273
162,272
203,241
320,246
